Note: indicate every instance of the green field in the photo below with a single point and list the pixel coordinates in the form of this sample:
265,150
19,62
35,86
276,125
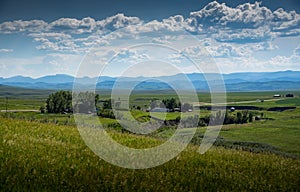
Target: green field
46,157
44,152
282,132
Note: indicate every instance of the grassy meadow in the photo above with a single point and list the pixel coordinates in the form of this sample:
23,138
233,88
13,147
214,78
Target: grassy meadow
38,156
44,152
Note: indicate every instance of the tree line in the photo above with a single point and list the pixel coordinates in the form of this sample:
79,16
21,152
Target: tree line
61,102
171,104
85,102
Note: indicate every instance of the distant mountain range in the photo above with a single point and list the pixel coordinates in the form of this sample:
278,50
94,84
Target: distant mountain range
248,81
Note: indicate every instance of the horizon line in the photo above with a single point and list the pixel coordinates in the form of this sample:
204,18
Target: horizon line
74,76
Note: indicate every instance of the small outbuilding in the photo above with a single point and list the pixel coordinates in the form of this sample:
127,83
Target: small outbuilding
289,95
177,110
257,118
159,109
277,95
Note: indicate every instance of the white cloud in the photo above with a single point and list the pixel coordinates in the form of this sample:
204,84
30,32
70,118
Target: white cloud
244,35
22,26
40,65
249,64
209,47
63,45
280,62
243,16
263,46
284,22
130,56
231,35
244,22
297,50
117,21
51,35
212,18
62,63
15,66
6,50
227,50
71,25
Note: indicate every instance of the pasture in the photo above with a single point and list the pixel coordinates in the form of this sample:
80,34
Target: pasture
45,151
47,157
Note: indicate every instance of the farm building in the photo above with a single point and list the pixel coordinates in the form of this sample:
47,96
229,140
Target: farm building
277,95
158,109
177,110
289,95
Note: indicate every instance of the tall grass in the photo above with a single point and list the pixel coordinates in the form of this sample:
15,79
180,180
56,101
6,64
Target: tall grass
46,157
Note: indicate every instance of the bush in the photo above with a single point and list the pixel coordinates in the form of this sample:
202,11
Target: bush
107,113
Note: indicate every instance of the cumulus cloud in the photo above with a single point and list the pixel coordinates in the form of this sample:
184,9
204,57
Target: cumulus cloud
85,25
227,50
55,42
212,18
215,16
66,34
53,35
211,48
22,26
242,24
117,21
130,56
286,23
286,62
262,46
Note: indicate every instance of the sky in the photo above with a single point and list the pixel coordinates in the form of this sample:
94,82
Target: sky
39,38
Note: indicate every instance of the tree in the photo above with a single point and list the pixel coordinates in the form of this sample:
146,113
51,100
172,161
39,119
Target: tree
97,97
170,103
108,104
42,109
244,116
85,102
250,117
58,102
239,117
229,119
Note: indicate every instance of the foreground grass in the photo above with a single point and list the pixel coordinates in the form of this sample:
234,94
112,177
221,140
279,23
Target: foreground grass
36,156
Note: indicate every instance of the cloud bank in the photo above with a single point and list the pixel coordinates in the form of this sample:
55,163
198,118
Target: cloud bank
237,33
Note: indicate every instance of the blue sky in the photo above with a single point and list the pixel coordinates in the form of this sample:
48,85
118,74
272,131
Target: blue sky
39,38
